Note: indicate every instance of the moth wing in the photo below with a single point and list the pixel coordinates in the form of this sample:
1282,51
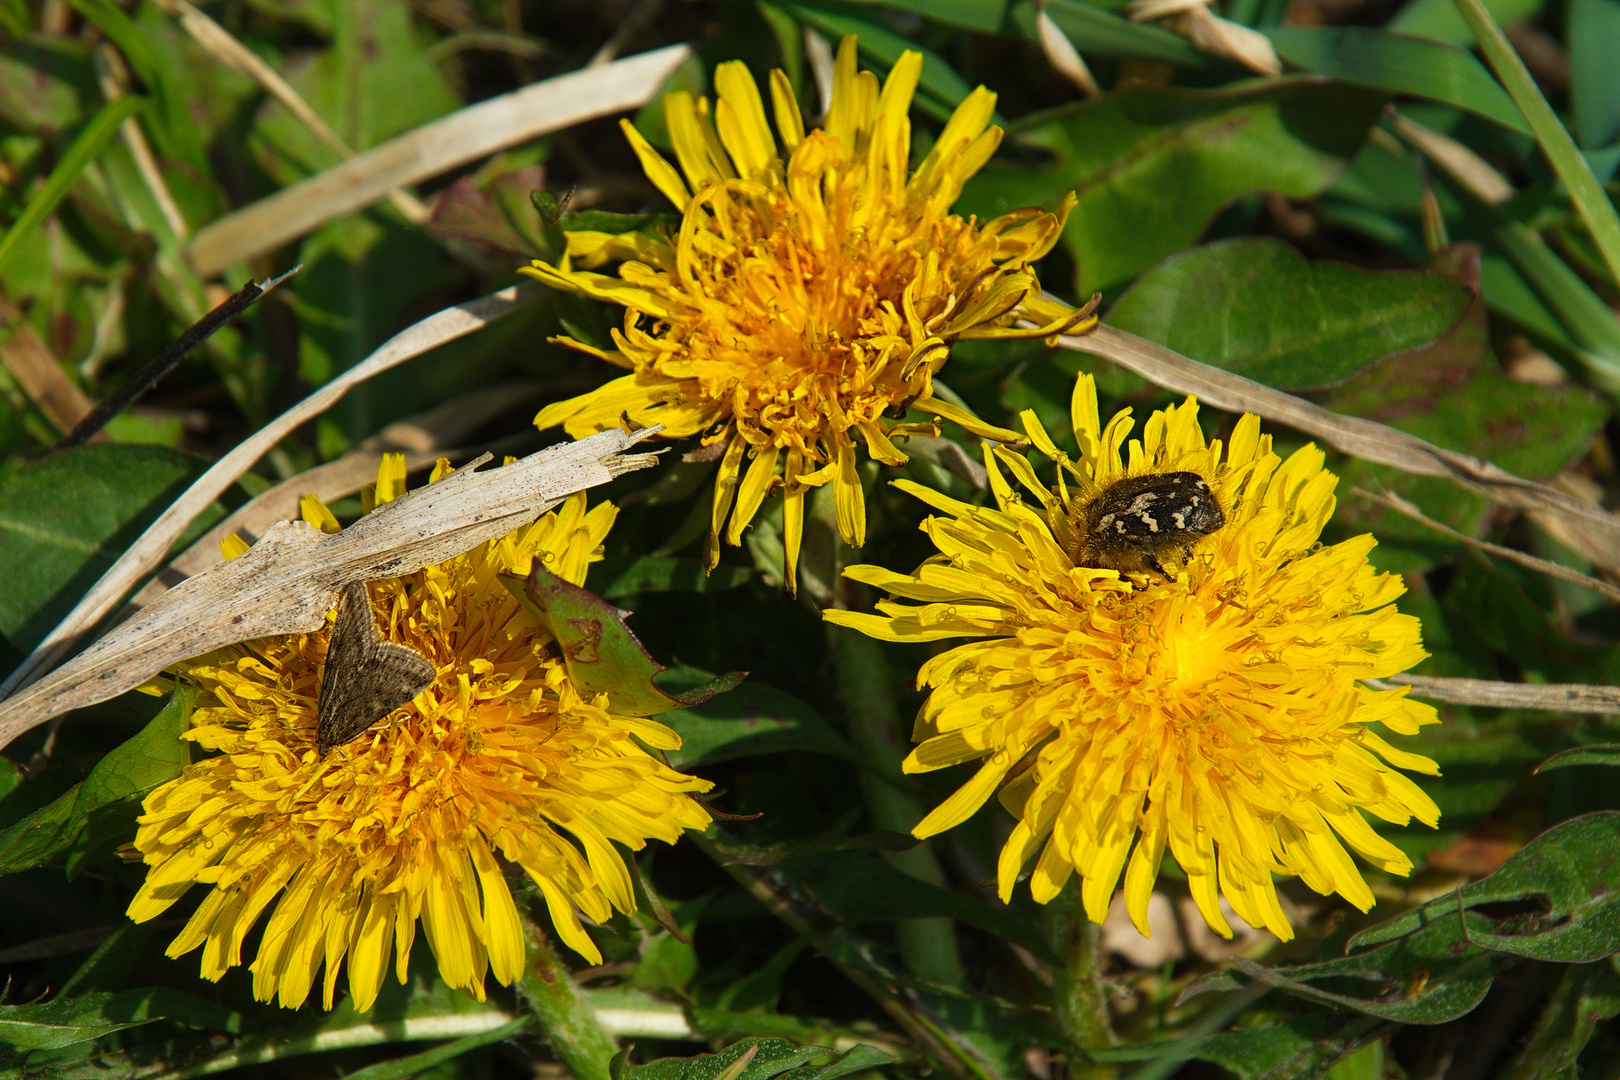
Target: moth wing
353,637
400,673
365,679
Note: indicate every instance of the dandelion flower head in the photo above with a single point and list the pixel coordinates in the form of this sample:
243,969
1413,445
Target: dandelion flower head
1219,710
499,759
813,291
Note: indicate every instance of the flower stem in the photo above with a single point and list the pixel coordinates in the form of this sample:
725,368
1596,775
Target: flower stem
570,1024
1079,998
864,684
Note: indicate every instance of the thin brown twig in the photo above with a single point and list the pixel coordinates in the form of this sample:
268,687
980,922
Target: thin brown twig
1545,566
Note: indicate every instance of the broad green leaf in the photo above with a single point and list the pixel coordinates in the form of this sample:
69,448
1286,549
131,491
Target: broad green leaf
1594,41
1426,978
1556,899
55,1024
667,962
751,719
118,781
1595,754
1530,430
617,577
1439,19
602,654
1399,64
1294,1049
374,82
85,147
65,518
771,1057
497,215
1100,33
1152,165
1254,306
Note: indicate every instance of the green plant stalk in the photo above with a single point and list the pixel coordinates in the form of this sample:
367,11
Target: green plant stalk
570,1024
1591,201
1079,997
78,157
952,1056
864,682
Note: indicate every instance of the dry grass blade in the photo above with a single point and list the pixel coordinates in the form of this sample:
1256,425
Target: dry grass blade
288,581
219,41
147,552
1554,697
422,439
1551,569
462,137
1352,435
38,375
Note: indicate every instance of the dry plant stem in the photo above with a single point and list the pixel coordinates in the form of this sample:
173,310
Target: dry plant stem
570,1024
1079,995
1471,170
37,373
147,553
864,682
955,1060
114,78
462,137
224,46
1352,435
1553,697
1545,566
422,439
289,580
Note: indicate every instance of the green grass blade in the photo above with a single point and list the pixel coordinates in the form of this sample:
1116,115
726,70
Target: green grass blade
79,155
1591,201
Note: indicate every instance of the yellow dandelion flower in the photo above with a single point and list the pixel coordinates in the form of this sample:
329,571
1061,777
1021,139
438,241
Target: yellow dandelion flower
807,301
1216,707
500,758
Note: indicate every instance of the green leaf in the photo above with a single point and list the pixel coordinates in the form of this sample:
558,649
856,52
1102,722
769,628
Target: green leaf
83,151
1152,165
1253,305
47,84
1586,996
1438,19
174,130
1590,200
863,890
415,1064
1399,64
1593,39
376,81
984,16
1557,899
771,1057
942,89
56,1024
1097,32
119,781
751,719
602,654
619,576
65,518
1593,754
